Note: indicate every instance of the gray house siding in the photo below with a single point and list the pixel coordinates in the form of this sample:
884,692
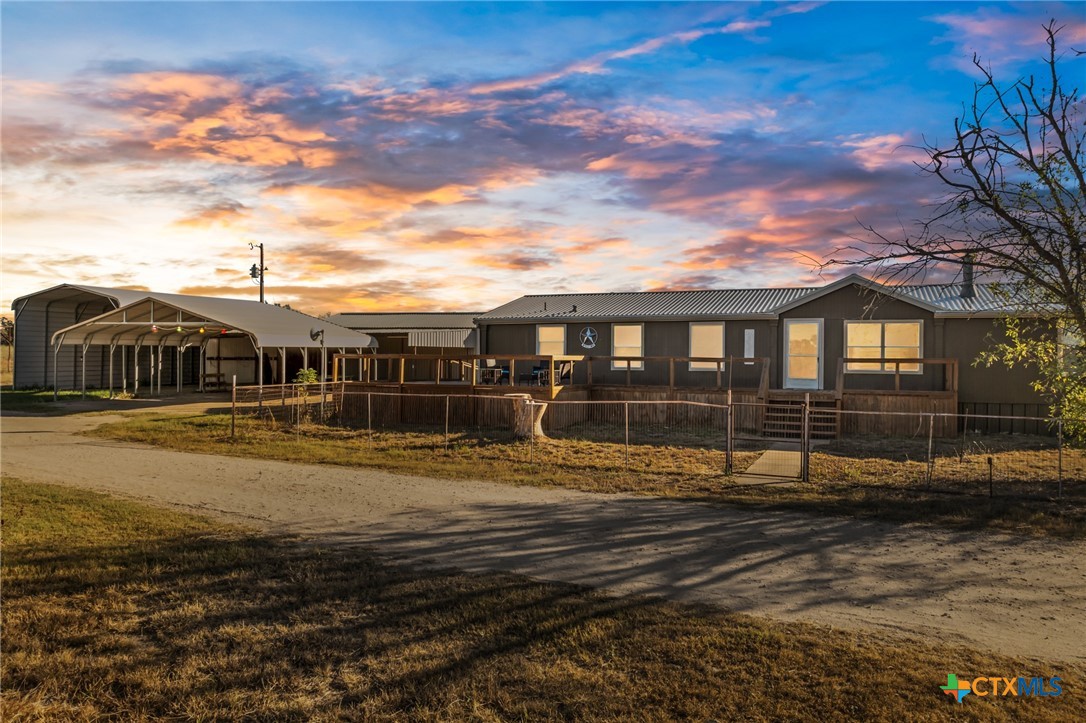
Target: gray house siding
661,338
856,304
965,339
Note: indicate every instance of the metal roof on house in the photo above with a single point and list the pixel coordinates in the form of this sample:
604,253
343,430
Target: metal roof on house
395,321
268,325
715,303
948,298
942,299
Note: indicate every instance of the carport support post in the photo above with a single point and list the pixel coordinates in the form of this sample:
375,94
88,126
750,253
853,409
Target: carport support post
136,370
177,368
158,371
83,371
112,348
124,369
56,352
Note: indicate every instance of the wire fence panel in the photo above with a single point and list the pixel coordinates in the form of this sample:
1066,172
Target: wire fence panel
742,442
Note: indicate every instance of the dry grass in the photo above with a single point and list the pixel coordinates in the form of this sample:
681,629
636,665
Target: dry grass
116,610
6,364
686,473
1023,463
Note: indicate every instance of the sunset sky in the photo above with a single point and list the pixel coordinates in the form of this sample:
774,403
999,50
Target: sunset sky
458,155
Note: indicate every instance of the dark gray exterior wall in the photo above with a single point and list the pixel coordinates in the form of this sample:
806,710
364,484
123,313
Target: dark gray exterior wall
965,339
961,339
854,303
660,338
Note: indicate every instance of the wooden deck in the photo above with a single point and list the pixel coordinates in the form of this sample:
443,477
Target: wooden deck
761,410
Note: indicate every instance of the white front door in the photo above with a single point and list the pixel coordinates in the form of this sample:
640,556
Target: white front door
803,353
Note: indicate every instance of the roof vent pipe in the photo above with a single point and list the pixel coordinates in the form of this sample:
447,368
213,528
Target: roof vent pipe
573,310
968,292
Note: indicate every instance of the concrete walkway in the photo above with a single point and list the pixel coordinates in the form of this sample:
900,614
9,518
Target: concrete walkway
780,465
1015,595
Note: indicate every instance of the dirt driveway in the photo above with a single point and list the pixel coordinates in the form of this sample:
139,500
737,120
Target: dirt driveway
1014,595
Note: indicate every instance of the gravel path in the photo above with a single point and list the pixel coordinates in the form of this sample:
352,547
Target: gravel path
1013,595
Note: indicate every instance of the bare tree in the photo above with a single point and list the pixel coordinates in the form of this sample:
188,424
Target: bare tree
1015,200
1014,209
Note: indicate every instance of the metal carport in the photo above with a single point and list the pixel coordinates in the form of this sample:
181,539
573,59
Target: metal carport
162,321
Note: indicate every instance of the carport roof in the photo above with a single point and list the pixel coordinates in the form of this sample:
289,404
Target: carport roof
158,317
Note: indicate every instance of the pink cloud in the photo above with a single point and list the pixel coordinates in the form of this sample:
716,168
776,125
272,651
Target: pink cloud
1000,39
875,152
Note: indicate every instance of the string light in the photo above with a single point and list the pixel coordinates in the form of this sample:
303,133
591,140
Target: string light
154,329
202,330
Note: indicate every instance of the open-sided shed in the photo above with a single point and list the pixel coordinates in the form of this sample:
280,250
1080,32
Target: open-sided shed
230,338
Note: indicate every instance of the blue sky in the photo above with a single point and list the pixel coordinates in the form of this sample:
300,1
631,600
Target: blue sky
455,155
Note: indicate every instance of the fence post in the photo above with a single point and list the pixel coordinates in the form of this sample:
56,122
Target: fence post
447,424
369,415
931,445
531,435
728,468
805,441
233,406
965,436
342,398
626,415
1059,458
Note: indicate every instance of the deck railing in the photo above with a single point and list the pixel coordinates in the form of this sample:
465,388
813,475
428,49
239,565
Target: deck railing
553,371
950,372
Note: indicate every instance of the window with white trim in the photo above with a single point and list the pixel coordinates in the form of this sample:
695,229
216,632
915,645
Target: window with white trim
627,340
550,339
748,344
883,339
706,340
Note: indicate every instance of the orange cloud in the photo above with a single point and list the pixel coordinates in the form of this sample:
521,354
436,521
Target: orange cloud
346,212
224,214
513,261
250,138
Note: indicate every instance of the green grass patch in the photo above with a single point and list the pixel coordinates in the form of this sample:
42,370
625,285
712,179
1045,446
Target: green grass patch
117,610
41,400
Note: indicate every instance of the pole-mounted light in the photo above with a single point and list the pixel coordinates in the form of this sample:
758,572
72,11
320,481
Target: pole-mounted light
256,271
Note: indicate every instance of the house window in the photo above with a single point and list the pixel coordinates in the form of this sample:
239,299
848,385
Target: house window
748,344
550,339
882,339
627,340
706,340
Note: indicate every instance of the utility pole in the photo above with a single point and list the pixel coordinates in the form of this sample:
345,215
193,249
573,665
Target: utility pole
257,272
